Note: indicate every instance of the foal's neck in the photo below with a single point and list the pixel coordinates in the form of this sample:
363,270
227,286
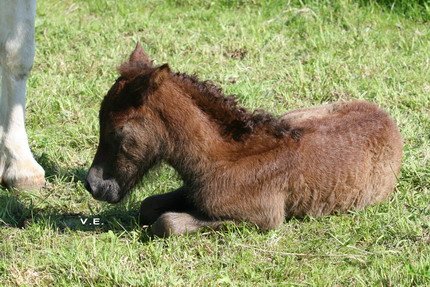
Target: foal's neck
196,146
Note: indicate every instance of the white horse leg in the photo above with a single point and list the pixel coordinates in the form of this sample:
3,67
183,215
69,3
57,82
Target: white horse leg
17,165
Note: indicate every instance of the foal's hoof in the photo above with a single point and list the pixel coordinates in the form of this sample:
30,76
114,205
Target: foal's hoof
24,175
173,223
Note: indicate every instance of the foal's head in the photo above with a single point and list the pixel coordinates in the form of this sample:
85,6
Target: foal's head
132,136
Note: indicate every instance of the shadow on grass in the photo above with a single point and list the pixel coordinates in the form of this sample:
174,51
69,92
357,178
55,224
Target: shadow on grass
52,169
418,9
15,214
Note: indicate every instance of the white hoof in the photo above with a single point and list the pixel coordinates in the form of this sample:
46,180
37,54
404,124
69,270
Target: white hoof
24,175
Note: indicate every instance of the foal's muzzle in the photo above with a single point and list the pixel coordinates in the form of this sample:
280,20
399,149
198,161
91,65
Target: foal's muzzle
102,189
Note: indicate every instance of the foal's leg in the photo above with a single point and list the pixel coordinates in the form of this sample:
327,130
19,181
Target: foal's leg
154,206
172,213
176,223
17,165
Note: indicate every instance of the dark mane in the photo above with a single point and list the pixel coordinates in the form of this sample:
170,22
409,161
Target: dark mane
236,121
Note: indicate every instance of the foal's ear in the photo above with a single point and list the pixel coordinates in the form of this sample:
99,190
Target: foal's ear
160,74
139,55
135,91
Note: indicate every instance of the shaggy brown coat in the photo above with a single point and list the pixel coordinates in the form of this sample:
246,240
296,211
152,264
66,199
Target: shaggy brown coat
237,165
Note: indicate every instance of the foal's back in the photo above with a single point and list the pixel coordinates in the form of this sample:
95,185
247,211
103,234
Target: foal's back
348,156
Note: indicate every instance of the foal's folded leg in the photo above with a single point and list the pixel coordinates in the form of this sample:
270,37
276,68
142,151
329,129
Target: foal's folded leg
172,213
176,223
154,206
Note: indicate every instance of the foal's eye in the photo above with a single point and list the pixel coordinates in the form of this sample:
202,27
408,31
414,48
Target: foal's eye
114,138
117,134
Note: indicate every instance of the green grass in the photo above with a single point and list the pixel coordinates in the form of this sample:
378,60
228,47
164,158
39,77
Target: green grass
296,54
